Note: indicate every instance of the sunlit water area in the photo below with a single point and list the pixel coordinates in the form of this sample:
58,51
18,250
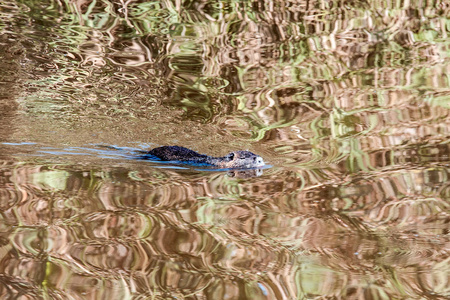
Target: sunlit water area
347,102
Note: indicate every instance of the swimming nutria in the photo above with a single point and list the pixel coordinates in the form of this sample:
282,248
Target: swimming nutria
233,160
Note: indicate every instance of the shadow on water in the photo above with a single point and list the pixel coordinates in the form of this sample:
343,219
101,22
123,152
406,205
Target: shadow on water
347,101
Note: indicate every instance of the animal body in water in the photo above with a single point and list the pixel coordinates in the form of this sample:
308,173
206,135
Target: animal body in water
233,160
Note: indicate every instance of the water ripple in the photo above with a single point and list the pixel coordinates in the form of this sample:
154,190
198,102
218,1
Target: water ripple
348,104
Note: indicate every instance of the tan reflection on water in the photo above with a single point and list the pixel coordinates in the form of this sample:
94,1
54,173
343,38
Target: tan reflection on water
162,233
348,103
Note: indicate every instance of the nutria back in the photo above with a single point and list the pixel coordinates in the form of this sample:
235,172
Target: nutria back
176,153
233,160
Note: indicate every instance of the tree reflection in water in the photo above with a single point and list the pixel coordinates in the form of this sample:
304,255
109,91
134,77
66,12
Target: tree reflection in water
349,103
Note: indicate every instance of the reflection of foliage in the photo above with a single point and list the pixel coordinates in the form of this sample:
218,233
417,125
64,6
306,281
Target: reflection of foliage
248,68
149,227
359,85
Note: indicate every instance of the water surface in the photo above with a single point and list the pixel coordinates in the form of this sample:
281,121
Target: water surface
347,102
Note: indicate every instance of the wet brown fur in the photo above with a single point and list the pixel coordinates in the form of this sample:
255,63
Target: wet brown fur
236,159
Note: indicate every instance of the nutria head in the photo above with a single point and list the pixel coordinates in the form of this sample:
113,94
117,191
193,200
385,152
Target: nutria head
242,159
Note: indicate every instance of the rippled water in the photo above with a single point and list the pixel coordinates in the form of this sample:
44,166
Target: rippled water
347,101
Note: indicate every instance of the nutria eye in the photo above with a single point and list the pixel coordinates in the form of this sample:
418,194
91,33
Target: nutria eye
231,156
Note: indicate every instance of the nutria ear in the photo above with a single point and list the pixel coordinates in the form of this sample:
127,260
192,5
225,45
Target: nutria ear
230,156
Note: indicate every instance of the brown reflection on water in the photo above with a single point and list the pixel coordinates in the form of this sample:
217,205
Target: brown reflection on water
348,103
163,233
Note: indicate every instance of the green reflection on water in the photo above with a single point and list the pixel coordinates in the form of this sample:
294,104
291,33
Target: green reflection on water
349,103
53,179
